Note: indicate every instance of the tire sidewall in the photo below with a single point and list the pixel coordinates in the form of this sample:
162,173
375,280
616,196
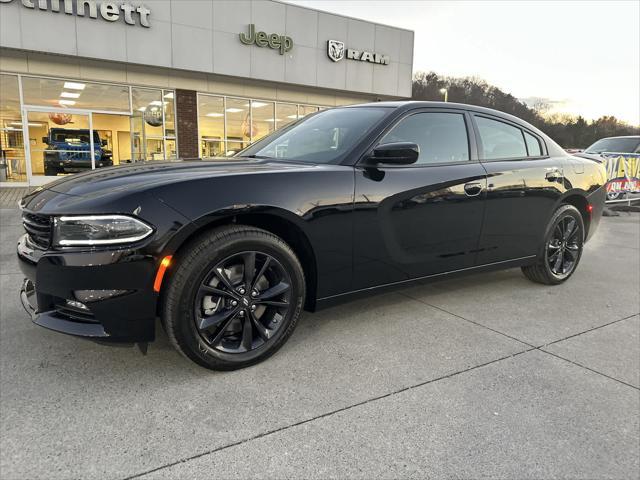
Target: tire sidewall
186,284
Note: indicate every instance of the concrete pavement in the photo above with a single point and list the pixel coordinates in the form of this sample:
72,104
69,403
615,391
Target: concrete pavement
485,376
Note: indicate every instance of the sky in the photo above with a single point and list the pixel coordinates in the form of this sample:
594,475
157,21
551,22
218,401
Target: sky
583,56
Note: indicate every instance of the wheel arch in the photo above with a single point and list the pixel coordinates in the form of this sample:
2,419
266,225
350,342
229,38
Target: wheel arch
271,219
579,201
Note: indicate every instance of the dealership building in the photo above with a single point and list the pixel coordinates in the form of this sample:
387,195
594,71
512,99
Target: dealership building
167,79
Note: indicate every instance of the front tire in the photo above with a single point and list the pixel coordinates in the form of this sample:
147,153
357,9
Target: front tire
562,250
234,298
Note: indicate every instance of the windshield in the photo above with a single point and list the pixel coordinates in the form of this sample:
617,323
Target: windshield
73,136
322,138
615,145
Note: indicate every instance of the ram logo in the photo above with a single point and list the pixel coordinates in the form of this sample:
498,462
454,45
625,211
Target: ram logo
335,50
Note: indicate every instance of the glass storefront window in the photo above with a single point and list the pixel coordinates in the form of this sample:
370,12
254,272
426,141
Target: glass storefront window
238,124
64,116
304,110
46,92
168,100
12,158
286,113
153,120
227,125
211,126
171,149
262,119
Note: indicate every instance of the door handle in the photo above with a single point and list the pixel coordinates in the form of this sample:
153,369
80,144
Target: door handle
553,174
473,189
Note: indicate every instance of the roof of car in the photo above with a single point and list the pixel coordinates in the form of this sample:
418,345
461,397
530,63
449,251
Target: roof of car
410,104
637,137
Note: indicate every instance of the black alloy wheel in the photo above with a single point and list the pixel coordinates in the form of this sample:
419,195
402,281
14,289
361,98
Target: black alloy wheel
242,302
233,297
562,250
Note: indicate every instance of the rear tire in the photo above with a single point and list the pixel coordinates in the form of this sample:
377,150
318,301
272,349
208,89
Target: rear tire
562,249
50,171
234,297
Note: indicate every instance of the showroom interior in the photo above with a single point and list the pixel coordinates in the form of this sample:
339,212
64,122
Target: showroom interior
188,85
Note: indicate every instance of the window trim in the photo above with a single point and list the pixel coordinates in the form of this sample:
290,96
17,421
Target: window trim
526,144
543,145
471,139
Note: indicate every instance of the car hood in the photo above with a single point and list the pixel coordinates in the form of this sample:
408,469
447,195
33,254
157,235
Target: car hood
148,175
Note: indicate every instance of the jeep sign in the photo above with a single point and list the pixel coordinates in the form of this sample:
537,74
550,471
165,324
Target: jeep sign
109,11
262,39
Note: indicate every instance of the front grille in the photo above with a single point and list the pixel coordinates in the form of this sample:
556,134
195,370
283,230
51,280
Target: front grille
38,227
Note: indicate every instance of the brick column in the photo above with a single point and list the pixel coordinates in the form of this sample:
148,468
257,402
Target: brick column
187,124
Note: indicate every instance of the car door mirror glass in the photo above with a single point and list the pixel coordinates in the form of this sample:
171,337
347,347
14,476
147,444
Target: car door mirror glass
398,153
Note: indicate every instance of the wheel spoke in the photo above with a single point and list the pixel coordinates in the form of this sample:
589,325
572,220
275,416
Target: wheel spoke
559,261
571,224
217,291
222,331
216,319
249,268
274,291
222,276
247,334
262,271
263,331
273,303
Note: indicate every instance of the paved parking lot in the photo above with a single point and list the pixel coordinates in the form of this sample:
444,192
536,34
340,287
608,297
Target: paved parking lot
485,376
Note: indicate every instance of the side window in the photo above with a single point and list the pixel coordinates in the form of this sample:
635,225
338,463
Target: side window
442,137
533,145
500,140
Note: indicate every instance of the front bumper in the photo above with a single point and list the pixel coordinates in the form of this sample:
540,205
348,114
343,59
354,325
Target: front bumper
53,278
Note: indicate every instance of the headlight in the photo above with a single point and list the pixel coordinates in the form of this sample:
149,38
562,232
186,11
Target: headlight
92,230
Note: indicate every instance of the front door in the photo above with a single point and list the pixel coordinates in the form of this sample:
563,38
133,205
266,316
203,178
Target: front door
425,218
58,143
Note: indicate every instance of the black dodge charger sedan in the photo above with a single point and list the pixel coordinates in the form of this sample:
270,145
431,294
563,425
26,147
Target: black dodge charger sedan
344,202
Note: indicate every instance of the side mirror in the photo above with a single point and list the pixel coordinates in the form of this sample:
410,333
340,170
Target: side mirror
45,139
104,143
399,153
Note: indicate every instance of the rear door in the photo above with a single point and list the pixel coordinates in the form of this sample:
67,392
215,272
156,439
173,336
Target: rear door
523,187
421,219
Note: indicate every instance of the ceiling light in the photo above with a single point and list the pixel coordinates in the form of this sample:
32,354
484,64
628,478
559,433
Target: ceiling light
74,85
66,102
156,103
142,109
168,95
234,110
292,116
69,95
258,104
30,124
214,114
